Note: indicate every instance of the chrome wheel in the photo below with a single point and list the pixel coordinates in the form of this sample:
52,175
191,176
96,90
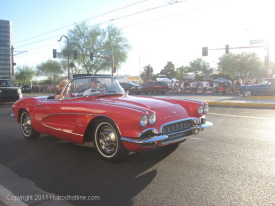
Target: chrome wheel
26,126
247,93
107,141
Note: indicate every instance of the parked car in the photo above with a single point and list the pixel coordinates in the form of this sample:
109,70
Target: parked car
110,118
8,91
155,87
132,88
26,89
266,87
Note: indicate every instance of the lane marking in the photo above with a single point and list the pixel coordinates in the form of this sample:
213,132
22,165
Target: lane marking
250,117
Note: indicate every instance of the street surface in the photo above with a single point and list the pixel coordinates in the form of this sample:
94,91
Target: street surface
230,163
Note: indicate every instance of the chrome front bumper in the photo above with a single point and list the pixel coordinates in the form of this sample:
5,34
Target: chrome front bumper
165,138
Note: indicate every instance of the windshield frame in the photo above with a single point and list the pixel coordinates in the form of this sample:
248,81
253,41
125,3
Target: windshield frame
108,85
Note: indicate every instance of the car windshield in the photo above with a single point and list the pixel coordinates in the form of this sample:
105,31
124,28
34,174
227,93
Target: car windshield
265,82
87,86
6,83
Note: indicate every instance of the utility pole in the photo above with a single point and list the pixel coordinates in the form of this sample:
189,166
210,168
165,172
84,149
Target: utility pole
12,65
69,75
12,62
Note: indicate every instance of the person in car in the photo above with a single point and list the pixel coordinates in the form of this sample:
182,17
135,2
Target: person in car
66,93
94,84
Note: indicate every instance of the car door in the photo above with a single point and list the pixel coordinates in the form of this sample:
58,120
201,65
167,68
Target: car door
260,89
75,119
146,87
270,88
47,116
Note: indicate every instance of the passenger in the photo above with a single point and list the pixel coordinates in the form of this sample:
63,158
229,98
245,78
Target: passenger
94,84
66,93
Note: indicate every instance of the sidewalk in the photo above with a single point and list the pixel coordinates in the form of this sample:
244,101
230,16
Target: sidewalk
234,100
13,188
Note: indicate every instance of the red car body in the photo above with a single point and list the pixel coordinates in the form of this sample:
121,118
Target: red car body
115,121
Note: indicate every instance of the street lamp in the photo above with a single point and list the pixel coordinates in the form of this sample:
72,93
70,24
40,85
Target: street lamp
68,53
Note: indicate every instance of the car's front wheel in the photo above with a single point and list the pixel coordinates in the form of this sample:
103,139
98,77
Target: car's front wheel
26,126
247,93
107,141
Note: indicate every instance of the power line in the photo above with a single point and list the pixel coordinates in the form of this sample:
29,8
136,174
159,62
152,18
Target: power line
122,17
82,21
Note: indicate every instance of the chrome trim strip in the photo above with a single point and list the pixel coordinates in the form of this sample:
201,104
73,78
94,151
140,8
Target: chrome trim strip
147,140
60,130
152,128
73,113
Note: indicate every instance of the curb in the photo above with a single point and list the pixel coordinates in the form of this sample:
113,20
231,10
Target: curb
260,97
239,104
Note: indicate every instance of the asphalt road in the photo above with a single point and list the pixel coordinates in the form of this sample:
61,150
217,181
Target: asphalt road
230,163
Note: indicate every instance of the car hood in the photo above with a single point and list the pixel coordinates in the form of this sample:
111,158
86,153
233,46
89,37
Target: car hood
144,104
9,88
132,101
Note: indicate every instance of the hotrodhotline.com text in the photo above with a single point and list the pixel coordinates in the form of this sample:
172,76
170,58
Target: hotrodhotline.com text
50,197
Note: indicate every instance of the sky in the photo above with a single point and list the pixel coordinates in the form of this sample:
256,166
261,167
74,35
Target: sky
159,31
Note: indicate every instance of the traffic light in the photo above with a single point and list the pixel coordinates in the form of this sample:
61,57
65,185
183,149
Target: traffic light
227,49
91,56
204,51
75,54
114,69
54,53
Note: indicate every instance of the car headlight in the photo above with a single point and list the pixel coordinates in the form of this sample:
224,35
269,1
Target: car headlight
200,110
152,118
143,120
206,108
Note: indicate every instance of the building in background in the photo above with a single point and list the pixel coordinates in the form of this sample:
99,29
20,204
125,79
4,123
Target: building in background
6,69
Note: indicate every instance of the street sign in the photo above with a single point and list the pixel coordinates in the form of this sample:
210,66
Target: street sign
106,52
257,41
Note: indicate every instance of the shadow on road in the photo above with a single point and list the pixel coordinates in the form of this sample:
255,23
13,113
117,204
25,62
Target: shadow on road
63,168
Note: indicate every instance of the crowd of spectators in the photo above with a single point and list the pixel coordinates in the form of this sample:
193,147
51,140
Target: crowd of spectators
202,87
45,88
184,87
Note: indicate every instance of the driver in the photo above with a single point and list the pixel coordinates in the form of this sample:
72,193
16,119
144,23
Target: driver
94,84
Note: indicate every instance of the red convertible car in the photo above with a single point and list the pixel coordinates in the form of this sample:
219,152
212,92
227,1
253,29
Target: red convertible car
98,110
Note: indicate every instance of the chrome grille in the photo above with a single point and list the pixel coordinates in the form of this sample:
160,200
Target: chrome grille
176,127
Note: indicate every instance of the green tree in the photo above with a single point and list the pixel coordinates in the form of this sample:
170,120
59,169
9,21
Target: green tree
200,66
240,65
86,39
50,69
148,73
169,70
181,72
24,74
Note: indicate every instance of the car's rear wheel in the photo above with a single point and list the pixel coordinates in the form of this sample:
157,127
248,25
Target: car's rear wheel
107,141
26,126
247,93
